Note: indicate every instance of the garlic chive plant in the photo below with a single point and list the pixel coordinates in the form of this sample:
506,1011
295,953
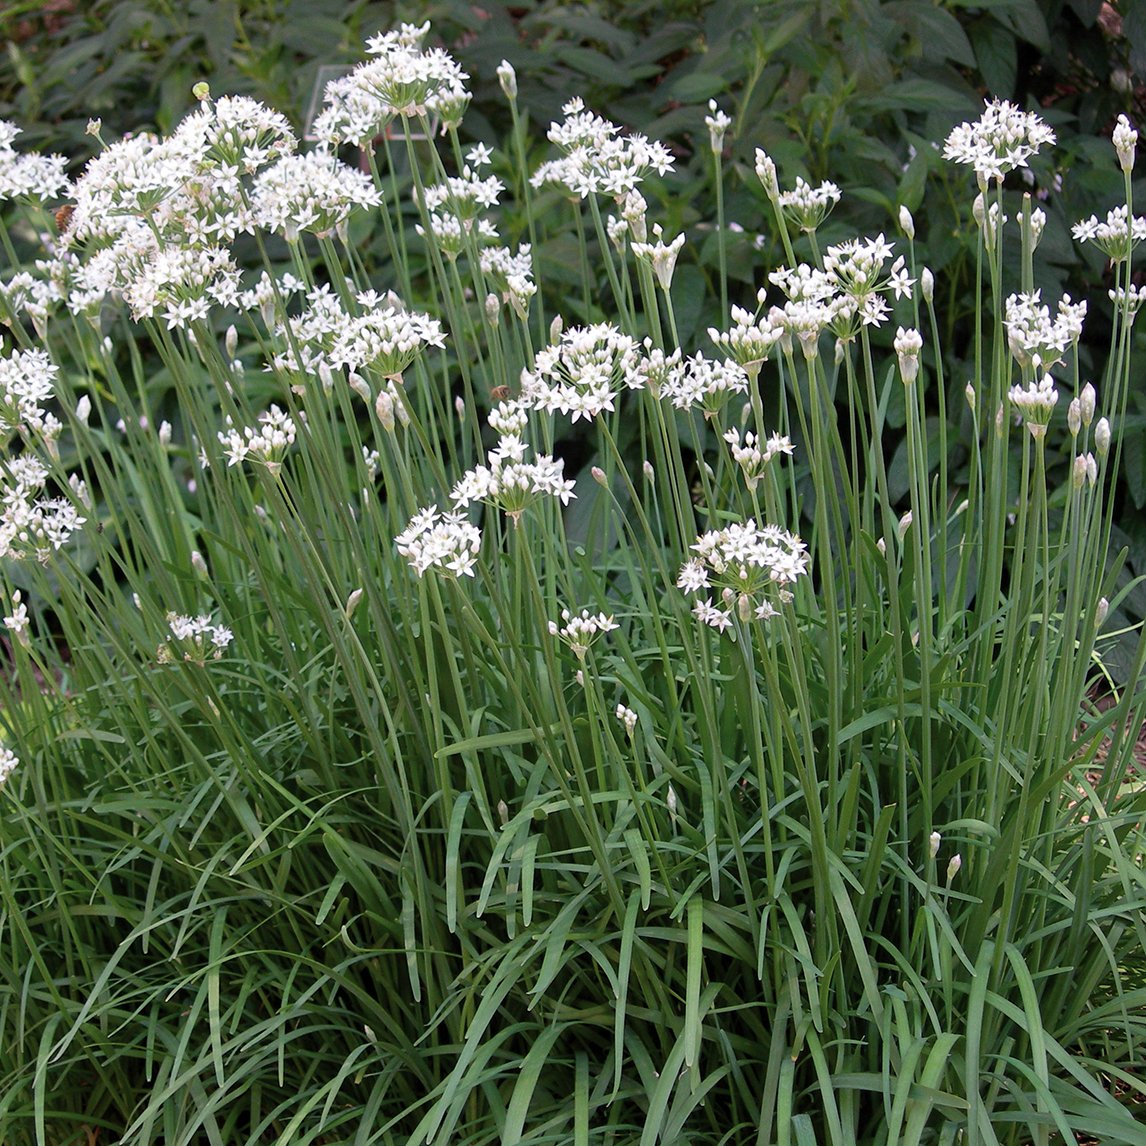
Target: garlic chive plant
431,719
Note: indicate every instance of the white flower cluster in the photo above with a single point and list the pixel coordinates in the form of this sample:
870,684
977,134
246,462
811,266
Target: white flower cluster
1003,138
8,764
747,563
628,718
155,217
27,380
596,159
32,525
323,339
385,338
454,208
752,457
751,338
29,176
402,80
1116,236
266,443
312,192
583,373
1036,341
511,483
464,196
705,382
807,207
193,639
265,295
447,541
845,295
580,630
1035,402
18,622
510,275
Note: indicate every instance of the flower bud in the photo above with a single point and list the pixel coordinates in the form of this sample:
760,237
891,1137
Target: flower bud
954,866
969,394
1091,469
904,524
384,408
507,77
1125,140
1074,417
908,344
198,564
1100,611
1078,475
1102,437
766,173
599,476
83,409
933,842
1086,400
352,602
492,308
360,386
927,285
460,408
555,329
906,222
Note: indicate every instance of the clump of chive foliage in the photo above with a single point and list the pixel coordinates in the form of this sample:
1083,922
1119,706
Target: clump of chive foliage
376,773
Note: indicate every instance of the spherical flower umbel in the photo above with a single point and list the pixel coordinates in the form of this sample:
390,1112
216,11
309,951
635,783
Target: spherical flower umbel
753,457
402,80
583,373
27,380
1036,341
806,206
511,483
597,159
1116,236
1003,138
748,565
385,338
750,340
312,192
579,631
266,443
705,382
446,541
1035,402
193,639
